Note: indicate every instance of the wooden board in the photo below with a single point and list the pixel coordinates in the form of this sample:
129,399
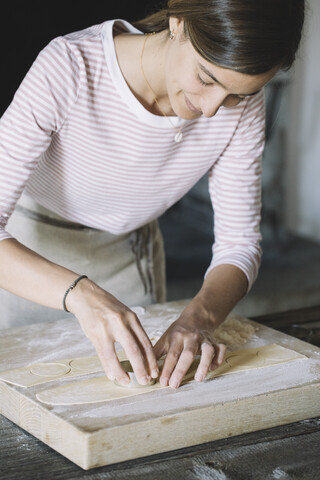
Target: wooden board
163,420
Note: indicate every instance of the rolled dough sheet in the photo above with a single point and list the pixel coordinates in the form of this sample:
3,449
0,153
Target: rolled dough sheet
39,373
45,372
100,389
232,331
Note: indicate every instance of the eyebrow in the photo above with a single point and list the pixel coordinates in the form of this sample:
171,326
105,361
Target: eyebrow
207,72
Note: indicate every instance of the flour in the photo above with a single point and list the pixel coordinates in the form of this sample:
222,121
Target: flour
57,340
221,390
100,389
47,342
279,474
205,472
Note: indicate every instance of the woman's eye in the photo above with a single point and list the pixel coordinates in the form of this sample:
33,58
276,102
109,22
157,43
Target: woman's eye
203,82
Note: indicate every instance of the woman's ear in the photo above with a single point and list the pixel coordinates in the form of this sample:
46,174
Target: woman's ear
175,25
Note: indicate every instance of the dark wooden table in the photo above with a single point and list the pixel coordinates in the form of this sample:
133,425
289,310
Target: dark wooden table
290,452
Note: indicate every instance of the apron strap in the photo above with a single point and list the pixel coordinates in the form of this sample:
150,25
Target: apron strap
141,245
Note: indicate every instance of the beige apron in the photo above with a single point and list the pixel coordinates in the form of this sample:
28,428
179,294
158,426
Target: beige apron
130,266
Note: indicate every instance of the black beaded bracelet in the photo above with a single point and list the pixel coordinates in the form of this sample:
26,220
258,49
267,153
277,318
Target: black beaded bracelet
73,284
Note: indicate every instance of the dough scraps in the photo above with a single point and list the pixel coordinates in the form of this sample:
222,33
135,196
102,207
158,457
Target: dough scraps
234,331
100,389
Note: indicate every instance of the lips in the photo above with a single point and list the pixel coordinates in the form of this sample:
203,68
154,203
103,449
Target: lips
191,106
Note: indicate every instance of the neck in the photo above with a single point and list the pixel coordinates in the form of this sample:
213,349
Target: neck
142,61
152,60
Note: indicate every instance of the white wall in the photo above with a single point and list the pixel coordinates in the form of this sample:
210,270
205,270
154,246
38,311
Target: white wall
302,177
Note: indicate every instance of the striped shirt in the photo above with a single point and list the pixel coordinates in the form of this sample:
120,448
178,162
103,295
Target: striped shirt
78,142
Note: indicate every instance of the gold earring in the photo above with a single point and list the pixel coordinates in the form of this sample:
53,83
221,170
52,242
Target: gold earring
172,35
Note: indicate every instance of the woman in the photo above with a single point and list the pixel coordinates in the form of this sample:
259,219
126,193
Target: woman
111,127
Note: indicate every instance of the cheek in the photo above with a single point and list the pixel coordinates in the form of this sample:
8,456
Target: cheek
180,75
192,85
187,83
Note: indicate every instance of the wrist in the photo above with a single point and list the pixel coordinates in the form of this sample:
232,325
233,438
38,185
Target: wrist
222,289
76,293
201,308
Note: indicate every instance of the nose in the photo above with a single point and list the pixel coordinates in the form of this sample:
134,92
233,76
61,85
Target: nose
212,102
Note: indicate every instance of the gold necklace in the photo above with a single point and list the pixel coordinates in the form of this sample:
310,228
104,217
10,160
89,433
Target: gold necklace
179,135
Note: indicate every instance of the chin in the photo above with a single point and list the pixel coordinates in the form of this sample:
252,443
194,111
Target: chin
189,116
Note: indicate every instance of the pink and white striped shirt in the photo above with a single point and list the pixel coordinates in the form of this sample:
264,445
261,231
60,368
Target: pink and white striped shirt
77,140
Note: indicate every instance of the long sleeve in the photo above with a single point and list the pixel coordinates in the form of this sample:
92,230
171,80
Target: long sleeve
37,112
235,190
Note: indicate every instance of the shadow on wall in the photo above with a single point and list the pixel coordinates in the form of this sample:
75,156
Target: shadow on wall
27,27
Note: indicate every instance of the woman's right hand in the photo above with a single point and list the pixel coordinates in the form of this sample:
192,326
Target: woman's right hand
105,320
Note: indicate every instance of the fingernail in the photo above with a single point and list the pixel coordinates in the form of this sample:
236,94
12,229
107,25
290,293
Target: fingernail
174,383
145,380
155,373
124,380
164,381
199,378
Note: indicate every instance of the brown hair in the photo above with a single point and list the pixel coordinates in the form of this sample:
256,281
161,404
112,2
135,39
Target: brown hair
250,36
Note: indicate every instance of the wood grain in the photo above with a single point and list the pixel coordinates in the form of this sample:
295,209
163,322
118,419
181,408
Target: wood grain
127,429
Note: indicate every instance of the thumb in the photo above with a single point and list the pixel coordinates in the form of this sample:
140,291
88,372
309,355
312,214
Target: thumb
161,347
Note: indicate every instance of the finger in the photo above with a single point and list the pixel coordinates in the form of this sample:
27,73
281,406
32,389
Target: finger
147,347
169,365
207,355
184,363
111,364
151,358
161,347
136,357
220,351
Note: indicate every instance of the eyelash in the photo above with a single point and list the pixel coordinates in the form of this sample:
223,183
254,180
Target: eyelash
205,84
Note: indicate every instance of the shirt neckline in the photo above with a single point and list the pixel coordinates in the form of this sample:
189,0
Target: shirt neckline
121,85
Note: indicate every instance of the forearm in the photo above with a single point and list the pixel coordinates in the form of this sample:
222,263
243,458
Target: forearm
28,275
102,317
222,289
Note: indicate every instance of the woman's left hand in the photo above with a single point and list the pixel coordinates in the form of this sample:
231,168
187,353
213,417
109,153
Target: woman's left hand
192,334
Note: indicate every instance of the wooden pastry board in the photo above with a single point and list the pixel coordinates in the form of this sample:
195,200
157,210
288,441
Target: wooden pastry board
163,420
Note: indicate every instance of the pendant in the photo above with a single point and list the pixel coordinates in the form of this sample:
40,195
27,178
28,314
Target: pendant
178,137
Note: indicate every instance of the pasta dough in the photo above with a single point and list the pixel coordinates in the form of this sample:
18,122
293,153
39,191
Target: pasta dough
127,367
233,331
39,373
50,369
100,389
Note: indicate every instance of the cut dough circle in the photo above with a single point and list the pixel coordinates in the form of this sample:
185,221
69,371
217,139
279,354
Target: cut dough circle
50,369
85,364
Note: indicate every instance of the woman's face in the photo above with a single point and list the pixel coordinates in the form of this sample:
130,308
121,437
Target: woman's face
196,87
